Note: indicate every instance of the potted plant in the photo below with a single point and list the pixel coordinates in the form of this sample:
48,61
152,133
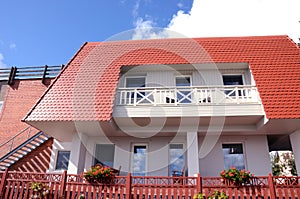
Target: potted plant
235,176
102,174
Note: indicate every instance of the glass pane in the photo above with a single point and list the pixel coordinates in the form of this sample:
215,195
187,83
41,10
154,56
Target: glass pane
232,79
176,158
183,81
62,161
233,156
105,154
133,82
184,94
139,160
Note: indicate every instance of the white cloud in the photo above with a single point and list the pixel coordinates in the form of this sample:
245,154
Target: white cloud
135,11
12,46
145,30
218,18
179,5
239,18
2,64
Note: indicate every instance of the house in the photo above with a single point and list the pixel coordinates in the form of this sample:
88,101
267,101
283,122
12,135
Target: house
22,147
155,107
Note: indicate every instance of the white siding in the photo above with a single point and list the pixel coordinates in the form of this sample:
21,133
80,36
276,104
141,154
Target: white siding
160,79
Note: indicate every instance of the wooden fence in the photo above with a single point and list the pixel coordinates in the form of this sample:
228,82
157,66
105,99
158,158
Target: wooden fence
63,185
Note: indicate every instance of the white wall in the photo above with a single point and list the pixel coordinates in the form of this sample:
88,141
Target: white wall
256,152
157,159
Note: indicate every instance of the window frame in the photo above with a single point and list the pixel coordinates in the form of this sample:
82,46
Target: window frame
169,157
56,159
132,156
183,76
95,148
234,74
179,97
132,77
244,153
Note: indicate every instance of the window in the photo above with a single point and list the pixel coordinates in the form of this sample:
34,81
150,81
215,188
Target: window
62,161
135,82
176,159
139,158
233,80
104,154
233,156
183,94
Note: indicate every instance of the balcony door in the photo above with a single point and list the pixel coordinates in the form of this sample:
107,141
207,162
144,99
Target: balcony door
233,80
183,94
137,82
139,159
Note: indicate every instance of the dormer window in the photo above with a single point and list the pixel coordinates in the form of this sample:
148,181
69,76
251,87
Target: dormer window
183,94
233,80
135,82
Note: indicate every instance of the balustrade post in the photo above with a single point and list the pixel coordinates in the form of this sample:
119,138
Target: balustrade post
271,187
3,183
199,183
128,186
135,97
63,185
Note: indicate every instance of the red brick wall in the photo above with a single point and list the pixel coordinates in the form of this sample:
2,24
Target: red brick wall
36,161
19,99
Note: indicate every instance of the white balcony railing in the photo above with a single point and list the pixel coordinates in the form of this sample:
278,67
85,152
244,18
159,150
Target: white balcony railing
195,95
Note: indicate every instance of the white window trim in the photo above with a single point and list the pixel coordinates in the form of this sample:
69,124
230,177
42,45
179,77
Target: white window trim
138,76
244,152
104,143
235,74
184,155
56,157
182,76
131,156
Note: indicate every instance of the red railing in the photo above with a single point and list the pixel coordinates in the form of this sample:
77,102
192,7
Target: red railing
17,185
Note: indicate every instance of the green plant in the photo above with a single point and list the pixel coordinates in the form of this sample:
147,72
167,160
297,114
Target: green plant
215,195
39,190
99,174
235,176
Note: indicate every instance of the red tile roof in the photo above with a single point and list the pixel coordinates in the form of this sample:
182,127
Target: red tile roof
85,89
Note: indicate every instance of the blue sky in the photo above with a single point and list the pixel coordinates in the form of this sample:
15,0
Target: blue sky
35,32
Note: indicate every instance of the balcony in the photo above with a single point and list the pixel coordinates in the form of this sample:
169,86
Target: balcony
196,95
189,102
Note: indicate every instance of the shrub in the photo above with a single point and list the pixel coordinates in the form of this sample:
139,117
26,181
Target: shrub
235,176
99,174
215,195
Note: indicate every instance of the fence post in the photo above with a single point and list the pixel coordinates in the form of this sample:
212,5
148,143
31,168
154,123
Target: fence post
63,185
128,186
271,187
3,182
199,183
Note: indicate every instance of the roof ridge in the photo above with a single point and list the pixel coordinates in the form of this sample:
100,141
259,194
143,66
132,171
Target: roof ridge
258,37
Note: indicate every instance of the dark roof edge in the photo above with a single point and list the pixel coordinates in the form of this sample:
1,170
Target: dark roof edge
40,99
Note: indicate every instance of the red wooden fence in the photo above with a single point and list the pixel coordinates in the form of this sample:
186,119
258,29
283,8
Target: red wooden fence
63,185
